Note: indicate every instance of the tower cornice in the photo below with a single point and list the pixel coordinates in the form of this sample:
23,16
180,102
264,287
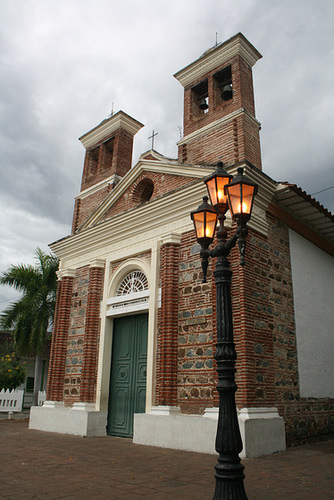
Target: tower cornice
105,129
217,56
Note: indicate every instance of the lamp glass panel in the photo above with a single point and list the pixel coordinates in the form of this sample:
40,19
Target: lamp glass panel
199,223
234,198
247,198
211,219
240,198
216,190
211,185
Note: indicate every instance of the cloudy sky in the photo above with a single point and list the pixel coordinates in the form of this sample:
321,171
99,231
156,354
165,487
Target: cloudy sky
65,64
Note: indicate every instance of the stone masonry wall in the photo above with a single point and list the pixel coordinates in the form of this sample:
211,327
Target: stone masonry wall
196,337
262,296
59,340
75,344
92,335
264,333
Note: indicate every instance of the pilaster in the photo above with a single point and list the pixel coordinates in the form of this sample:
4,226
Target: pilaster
92,330
55,385
166,389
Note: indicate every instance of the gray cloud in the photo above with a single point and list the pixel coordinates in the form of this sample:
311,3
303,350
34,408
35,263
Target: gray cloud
64,63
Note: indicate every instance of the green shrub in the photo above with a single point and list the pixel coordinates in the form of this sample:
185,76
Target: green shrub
11,373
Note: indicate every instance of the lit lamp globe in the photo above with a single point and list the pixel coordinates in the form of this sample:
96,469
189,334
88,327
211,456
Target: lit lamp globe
205,220
240,194
215,184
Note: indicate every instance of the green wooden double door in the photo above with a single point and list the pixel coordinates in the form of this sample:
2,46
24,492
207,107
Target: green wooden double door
127,390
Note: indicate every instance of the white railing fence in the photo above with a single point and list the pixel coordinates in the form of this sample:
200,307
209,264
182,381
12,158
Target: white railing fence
41,397
11,400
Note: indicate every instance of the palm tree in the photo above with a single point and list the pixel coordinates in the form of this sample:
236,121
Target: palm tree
31,316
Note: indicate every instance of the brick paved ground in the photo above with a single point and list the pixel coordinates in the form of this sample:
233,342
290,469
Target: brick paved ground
37,464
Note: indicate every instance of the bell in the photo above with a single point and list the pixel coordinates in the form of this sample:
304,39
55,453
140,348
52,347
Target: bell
227,92
203,104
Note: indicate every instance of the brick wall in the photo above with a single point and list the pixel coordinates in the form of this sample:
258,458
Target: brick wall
236,140
163,183
85,207
252,310
112,157
262,296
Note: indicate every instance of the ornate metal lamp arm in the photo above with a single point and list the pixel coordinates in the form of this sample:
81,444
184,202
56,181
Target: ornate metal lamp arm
223,247
242,232
204,254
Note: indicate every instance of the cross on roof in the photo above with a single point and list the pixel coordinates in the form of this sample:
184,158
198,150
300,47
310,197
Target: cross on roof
152,137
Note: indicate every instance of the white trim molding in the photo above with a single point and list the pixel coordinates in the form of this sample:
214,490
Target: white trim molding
217,56
97,263
117,121
217,124
131,303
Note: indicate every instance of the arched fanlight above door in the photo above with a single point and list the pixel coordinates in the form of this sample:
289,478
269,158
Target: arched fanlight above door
133,282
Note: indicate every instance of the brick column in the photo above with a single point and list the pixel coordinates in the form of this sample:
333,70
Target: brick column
168,336
92,330
56,373
253,320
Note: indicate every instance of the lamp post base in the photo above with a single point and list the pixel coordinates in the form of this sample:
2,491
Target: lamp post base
229,479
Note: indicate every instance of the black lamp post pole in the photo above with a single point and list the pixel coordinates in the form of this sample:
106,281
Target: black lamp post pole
229,470
239,195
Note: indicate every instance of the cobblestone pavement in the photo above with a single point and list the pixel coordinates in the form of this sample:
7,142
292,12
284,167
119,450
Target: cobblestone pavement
36,464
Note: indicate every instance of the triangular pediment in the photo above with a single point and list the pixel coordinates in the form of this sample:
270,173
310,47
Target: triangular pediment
154,176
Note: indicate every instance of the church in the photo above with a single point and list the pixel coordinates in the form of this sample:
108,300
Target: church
135,327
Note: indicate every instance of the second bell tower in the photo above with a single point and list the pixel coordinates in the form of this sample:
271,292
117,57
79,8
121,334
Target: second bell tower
219,111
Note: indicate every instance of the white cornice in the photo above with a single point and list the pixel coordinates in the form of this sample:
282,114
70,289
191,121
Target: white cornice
132,232
216,124
118,121
65,273
174,238
132,229
97,263
217,56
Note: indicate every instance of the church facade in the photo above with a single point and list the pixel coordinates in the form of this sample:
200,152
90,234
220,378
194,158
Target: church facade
135,327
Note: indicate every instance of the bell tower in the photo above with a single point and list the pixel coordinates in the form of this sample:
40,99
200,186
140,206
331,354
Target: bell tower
219,112
108,158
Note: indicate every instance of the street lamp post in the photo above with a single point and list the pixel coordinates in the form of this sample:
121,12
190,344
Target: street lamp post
237,195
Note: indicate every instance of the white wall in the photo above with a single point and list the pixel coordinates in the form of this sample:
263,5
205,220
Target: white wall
313,290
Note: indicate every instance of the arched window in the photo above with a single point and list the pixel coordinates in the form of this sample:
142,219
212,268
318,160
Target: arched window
133,282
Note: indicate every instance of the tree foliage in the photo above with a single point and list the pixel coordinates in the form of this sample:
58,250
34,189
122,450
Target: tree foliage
11,373
31,316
